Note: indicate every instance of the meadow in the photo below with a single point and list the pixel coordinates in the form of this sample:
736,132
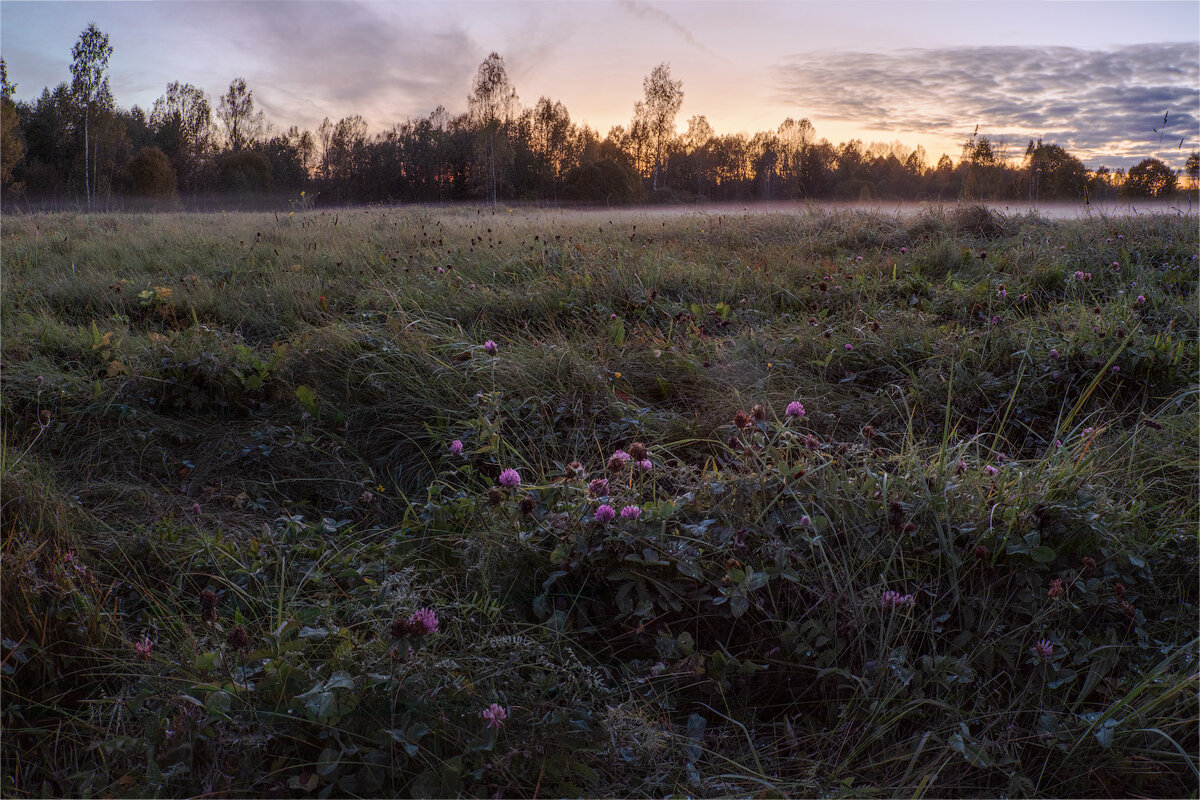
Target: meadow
491,502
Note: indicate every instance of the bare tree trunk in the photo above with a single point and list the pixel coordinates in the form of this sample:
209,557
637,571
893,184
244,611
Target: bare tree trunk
87,155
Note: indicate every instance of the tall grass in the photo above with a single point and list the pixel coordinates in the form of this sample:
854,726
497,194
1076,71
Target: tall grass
969,567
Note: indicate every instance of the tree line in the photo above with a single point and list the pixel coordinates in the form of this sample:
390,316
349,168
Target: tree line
75,146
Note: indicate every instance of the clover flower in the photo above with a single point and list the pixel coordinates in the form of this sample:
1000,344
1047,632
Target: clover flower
1056,588
1043,650
605,513
143,648
510,478
891,599
991,471
645,465
795,409
495,714
456,447
491,347
1141,300
598,487
630,512
616,462
421,622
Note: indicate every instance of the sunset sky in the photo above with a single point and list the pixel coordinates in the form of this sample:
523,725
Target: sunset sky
1095,77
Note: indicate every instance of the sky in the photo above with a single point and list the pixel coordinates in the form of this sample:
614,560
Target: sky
1095,77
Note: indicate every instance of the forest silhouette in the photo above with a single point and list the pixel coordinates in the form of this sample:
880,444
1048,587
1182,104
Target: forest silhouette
74,147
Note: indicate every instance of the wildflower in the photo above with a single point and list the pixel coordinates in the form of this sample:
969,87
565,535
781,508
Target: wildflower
805,522
1116,266
1141,300
996,320
605,513
758,412
510,478
849,346
630,512
1058,442
143,648
421,622
1056,588
1022,298
456,447
991,471
1089,564
617,460
1043,650
598,487
195,508
1120,236
490,347
1002,456
1062,248
1088,431
961,466
1119,589
612,316
890,599
741,419
868,431
812,442
645,465
527,504
574,471
1116,368
903,250
495,714
1055,375
638,451
1054,354
1079,275
495,496
69,558
425,620
981,552
858,258
1003,293
237,638
795,409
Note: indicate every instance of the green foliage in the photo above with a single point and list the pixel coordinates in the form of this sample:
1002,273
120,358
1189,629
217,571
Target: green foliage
151,175
230,487
244,172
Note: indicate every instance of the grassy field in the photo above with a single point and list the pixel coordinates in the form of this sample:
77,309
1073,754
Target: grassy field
332,504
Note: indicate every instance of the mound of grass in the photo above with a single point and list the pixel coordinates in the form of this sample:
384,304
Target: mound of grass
467,502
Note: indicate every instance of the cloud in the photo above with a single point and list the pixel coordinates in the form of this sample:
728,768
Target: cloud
648,12
305,60
1097,103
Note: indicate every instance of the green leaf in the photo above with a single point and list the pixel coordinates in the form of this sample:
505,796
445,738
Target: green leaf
218,703
755,580
308,399
690,569
1043,554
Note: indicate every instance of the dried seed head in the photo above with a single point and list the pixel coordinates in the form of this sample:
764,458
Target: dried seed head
238,639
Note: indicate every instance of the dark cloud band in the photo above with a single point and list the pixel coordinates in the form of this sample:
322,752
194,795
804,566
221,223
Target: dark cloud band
1102,104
